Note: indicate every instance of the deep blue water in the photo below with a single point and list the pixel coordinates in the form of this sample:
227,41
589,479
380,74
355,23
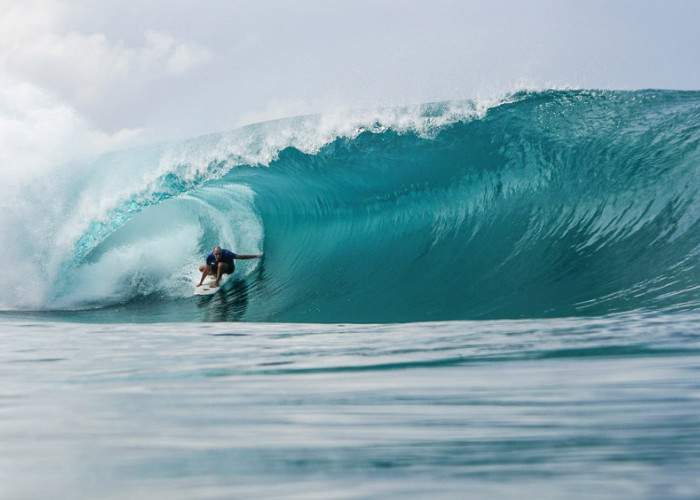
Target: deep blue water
455,300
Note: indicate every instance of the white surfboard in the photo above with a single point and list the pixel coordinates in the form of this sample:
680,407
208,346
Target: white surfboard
206,288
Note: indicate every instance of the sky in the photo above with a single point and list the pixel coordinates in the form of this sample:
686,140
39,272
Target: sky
133,71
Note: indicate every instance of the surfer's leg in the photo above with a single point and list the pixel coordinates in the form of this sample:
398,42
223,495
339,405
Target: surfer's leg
219,270
224,268
203,271
208,269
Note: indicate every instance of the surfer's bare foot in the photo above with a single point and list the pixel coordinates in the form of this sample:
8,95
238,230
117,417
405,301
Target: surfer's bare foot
214,285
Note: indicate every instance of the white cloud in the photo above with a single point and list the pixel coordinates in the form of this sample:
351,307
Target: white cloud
39,133
187,56
163,51
84,68
22,20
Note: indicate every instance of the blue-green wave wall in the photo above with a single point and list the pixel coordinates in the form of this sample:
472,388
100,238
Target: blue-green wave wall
552,203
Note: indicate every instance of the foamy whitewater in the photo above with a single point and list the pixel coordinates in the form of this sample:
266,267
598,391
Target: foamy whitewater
456,299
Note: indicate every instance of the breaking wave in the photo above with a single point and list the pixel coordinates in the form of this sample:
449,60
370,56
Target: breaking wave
543,204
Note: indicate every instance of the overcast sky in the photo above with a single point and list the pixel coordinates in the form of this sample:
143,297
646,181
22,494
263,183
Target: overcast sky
165,68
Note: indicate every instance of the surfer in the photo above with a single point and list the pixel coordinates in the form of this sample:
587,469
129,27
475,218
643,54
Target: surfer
219,262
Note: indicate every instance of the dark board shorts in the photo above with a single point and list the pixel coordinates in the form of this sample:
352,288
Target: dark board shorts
227,268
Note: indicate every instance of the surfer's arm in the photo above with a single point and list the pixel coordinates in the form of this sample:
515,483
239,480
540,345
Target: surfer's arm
245,257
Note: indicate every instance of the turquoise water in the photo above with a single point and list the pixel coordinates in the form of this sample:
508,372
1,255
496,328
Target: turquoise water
457,300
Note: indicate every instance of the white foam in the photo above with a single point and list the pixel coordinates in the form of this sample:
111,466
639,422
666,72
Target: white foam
141,268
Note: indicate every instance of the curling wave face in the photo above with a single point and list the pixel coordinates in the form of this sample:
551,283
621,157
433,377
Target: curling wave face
554,203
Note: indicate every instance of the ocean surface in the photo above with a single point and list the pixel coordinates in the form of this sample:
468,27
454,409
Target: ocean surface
458,300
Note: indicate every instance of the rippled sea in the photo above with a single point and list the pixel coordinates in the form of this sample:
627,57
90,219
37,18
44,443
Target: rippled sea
601,407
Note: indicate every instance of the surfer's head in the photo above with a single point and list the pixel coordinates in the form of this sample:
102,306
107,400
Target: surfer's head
217,252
